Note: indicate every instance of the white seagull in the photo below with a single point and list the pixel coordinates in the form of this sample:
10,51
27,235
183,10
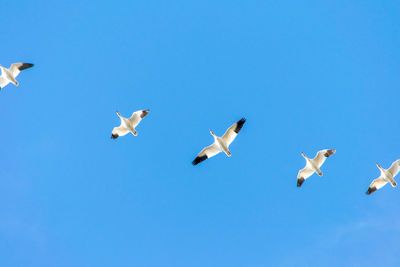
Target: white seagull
221,144
313,165
387,176
9,75
129,125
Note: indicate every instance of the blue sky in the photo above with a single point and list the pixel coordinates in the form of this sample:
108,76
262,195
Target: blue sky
307,75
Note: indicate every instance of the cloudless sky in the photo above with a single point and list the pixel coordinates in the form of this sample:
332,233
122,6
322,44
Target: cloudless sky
307,75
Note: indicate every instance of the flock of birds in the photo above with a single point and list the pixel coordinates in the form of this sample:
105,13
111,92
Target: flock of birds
221,144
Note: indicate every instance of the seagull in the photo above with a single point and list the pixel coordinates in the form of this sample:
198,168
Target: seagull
221,144
313,165
386,176
128,125
9,75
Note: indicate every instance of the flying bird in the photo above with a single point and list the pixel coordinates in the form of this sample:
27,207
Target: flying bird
221,144
129,125
387,176
9,75
313,165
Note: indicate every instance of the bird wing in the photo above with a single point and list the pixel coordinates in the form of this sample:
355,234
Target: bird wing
138,116
16,68
303,175
376,184
119,131
206,153
395,168
322,156
233,131
3,82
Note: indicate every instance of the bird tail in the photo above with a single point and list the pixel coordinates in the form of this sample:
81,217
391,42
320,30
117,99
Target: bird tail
132,130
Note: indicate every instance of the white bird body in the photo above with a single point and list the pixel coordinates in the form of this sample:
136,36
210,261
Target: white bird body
313,165
387,176
221,144
128,125
9,75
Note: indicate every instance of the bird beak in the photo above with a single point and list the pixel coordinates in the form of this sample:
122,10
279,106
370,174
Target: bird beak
303,154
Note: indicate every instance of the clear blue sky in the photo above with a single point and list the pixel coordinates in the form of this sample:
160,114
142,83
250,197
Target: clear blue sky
307,75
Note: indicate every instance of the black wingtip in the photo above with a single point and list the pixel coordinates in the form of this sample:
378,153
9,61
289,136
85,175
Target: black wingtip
300,181
239,125
25,66
198,159
330,152
144,113
370,190
114,136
